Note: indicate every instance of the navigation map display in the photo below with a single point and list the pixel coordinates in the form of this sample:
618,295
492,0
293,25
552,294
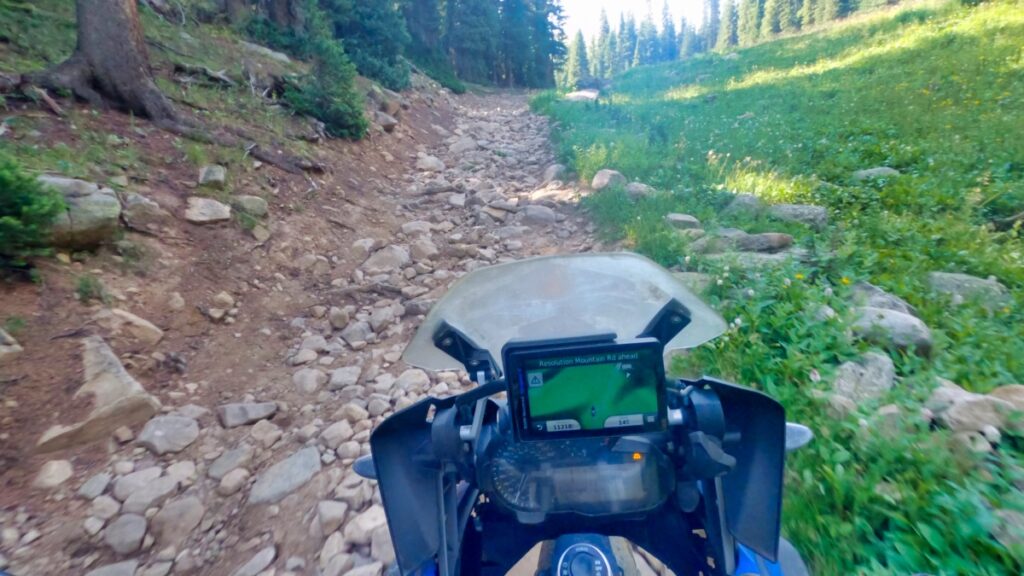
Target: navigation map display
589,391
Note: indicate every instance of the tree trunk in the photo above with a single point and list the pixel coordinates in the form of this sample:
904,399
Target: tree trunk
110,63
287,14
236,10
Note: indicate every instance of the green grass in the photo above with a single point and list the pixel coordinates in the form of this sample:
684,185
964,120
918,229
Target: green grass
934,90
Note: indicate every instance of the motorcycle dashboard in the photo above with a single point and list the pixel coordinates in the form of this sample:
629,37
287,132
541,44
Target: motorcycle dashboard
578,389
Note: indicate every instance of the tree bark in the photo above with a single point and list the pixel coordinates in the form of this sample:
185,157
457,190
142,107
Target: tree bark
110,63
236,10
287,14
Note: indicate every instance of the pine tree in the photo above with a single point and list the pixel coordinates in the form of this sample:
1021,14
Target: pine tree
577,68
472,29
828,10
727,32
423,20
614,64
771,22
790,21
748,28
646,43
808,13
516,48
600,55
711,23
669,38
548,38
627,43
691,41
374,35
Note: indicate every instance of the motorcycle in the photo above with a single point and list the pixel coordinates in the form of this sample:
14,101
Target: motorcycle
573,438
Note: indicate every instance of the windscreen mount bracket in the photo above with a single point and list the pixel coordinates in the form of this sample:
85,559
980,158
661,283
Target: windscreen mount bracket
478,361
668,322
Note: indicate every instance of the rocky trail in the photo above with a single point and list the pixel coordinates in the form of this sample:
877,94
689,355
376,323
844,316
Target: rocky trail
228,393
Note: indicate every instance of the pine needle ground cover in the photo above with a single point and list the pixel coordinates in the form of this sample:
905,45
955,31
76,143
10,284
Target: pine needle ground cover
935,91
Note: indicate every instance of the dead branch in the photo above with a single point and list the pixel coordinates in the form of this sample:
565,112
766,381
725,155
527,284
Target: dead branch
376,287
40,94
218,77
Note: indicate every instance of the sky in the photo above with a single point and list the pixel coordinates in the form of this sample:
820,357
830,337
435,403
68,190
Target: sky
586,14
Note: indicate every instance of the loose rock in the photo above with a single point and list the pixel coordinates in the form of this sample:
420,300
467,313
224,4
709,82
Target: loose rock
258,563
866,379
53,474
232,415
124,534
891,328
286,476
607,178
169,434
202,210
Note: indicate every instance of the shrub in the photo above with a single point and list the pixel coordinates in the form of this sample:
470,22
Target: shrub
26,211
329,93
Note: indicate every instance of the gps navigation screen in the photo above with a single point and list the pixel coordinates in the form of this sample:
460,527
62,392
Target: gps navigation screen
609,391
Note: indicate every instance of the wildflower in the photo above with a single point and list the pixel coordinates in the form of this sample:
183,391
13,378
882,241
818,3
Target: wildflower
845,281
787,281
687,259
737,322
815,376
750,292
828,291
719,283
799,276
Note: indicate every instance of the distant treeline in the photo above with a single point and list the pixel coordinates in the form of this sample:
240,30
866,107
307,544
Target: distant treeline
503,42
724,25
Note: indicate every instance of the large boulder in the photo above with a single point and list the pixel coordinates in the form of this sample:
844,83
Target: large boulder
9,347
875,173
607,178
886,327
866,379
554,172
121,322
744,205
866,294
386,260
814,216
962,287
202,210
963,411
91,215
141,213
116,399
286,476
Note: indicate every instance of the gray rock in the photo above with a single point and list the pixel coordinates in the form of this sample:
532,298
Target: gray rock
866,379
413,379
9,347
331,514
286,476
694,281
94,486
335,434
735,240
258,563
91,215
240,414
129,483
309,380
371,569
123,323
213,176
381,547
168,434
463,145
423,248
162,568
359,530
124,535
430,164
386,260
344,377
266,52
1012,393
266,433
206,211
637,190
141,213
240,457
865,294
251,205
417,228
815,217
233,481
338,317
385,121
554,172
891,328
150,494
176,520
357,332
877,172
963,287
1009,529
126,568
682,221
744,205
607,179
117,400
53,474
535,214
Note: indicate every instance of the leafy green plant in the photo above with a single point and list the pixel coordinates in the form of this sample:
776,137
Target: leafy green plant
89,287
27,210
14,324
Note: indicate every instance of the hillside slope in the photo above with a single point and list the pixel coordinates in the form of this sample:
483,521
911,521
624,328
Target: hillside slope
932,96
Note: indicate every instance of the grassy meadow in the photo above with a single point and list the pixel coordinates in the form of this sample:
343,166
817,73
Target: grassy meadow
934,90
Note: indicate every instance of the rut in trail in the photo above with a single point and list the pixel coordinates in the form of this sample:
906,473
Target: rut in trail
256,475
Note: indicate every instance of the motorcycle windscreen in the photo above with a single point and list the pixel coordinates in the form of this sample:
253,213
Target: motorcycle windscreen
408,477
756,437
554,297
